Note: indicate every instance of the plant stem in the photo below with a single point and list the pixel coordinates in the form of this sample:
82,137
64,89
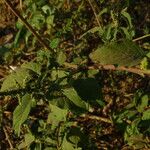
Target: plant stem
142,37
95,14
110,67
28,26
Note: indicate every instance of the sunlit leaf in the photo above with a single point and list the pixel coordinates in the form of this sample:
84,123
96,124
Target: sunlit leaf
29,139
61,58
21,112
143,104
68,146
54,43
146,115
56,115
127,16
16,80
32,66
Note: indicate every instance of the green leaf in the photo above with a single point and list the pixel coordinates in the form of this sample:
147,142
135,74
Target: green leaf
93,30
61,58
68,146
56,115
50,21
54,43
32,66
122,53
60,75
17,37
16,80
127,16
29,139
21,112
37,20
144,64
28,34
126,32
144,102
46,9
72,95
146,115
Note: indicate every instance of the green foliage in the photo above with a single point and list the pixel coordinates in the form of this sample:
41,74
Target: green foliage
56,115
122,53
28,139
72,95
21,112
53,89
16,80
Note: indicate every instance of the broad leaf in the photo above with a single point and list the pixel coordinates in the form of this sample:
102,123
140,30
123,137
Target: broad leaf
143,104
32,66
61,58
16,80
56,115
66,145
21,112
122,53
29,139
146,115
73,96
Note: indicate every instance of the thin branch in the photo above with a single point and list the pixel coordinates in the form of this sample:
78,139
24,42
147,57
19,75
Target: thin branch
110,67
7,138
95,14
16,13
140,38
93,117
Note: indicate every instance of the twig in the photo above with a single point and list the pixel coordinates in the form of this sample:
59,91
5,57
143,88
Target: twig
7,138
93,117
110,67
142,37
95,14
16,13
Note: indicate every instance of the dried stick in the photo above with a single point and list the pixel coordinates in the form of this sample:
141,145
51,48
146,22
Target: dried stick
7,138
110,67
98,118
140,38
28,26
95,14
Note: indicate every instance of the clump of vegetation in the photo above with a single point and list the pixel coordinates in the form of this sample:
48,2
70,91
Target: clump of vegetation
55,96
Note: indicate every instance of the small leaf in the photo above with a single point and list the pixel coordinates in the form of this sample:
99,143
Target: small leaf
32,66
37,20
144,64
143,104
50,21
93,30
29,139
46,9
61,58
127,16
54,43
17,37
126,32
146,115
72,95
21,112
68,146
